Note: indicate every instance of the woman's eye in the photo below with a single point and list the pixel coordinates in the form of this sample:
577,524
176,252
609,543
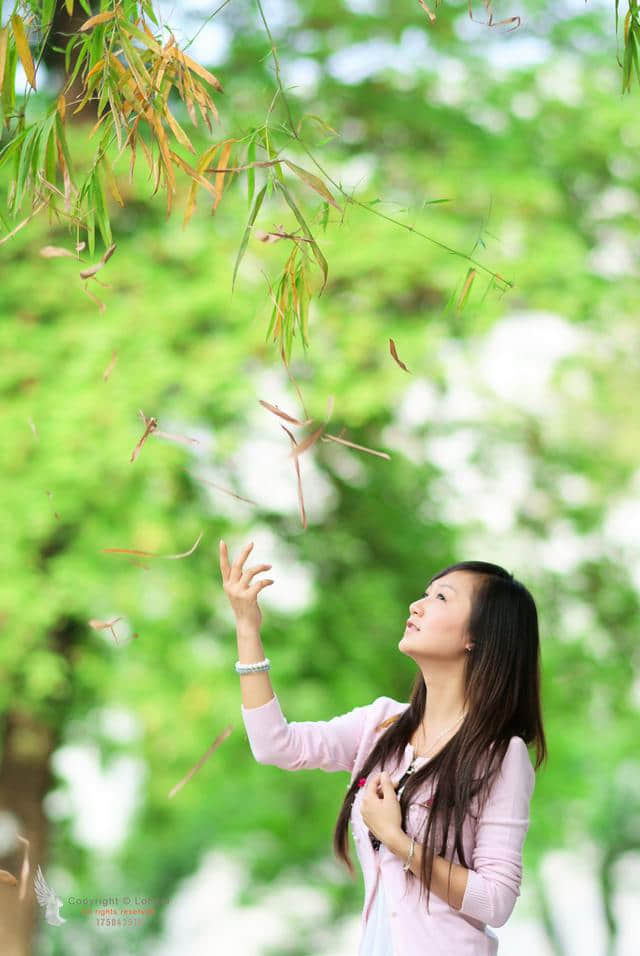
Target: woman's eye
439,594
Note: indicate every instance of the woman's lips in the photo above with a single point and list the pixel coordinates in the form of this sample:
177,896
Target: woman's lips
411,626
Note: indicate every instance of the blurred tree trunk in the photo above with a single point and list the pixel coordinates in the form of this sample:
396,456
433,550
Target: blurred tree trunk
25,778
53,58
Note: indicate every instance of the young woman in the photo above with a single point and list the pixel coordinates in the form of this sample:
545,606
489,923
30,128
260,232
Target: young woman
454,760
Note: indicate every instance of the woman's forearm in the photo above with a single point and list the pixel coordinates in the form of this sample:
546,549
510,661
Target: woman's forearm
400,844
256,688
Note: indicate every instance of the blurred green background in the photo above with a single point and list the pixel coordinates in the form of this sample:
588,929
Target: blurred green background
513,439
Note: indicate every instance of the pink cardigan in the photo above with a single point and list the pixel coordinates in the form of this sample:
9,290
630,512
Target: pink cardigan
492,844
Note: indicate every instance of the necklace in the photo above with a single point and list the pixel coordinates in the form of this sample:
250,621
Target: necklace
442,734
375,843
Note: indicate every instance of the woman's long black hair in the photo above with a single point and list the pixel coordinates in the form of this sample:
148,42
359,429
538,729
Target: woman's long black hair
502,699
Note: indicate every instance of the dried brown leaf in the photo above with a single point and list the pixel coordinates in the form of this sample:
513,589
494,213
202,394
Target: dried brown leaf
91,271
93,297
6,877
109,368
206,481
394,354
214,746
343,441
308,442
303,513
278,411
151,554
151,424
54,252
430,14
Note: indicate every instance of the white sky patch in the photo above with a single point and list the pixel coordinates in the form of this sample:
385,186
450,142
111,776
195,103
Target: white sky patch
301,75
518,355
120,725
450,82
91,794
563,549
561,78
359,61
418,403
613,201
212,44
524,105
613,255
22,85
578,916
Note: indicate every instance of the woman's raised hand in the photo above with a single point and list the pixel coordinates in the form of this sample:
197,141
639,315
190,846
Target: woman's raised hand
237,584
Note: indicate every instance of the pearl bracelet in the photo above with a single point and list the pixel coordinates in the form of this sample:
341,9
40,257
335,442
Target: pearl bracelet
264,665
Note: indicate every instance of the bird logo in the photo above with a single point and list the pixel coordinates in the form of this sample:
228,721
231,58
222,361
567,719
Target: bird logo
48,899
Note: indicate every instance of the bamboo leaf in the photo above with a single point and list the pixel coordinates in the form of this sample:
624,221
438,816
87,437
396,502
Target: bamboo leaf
251,176
141,35
4,41
224,158
322,262
22,46
312,181
177,130
102,215
99,18
69,5
200,70
111,179
9,87
471,274
247,232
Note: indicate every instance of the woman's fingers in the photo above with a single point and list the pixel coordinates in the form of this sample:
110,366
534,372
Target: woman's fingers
262,584
224,561
236,566
232,571
251,572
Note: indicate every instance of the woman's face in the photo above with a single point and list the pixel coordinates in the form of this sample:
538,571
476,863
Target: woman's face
440,617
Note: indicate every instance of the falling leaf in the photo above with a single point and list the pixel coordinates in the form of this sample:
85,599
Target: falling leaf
214,746
101,625
431,15
182,438
93,298
343,441
91,271
6,877
109,368
392,349
226,490
151,424
288,418
53,252
299,479
310,440
150,554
